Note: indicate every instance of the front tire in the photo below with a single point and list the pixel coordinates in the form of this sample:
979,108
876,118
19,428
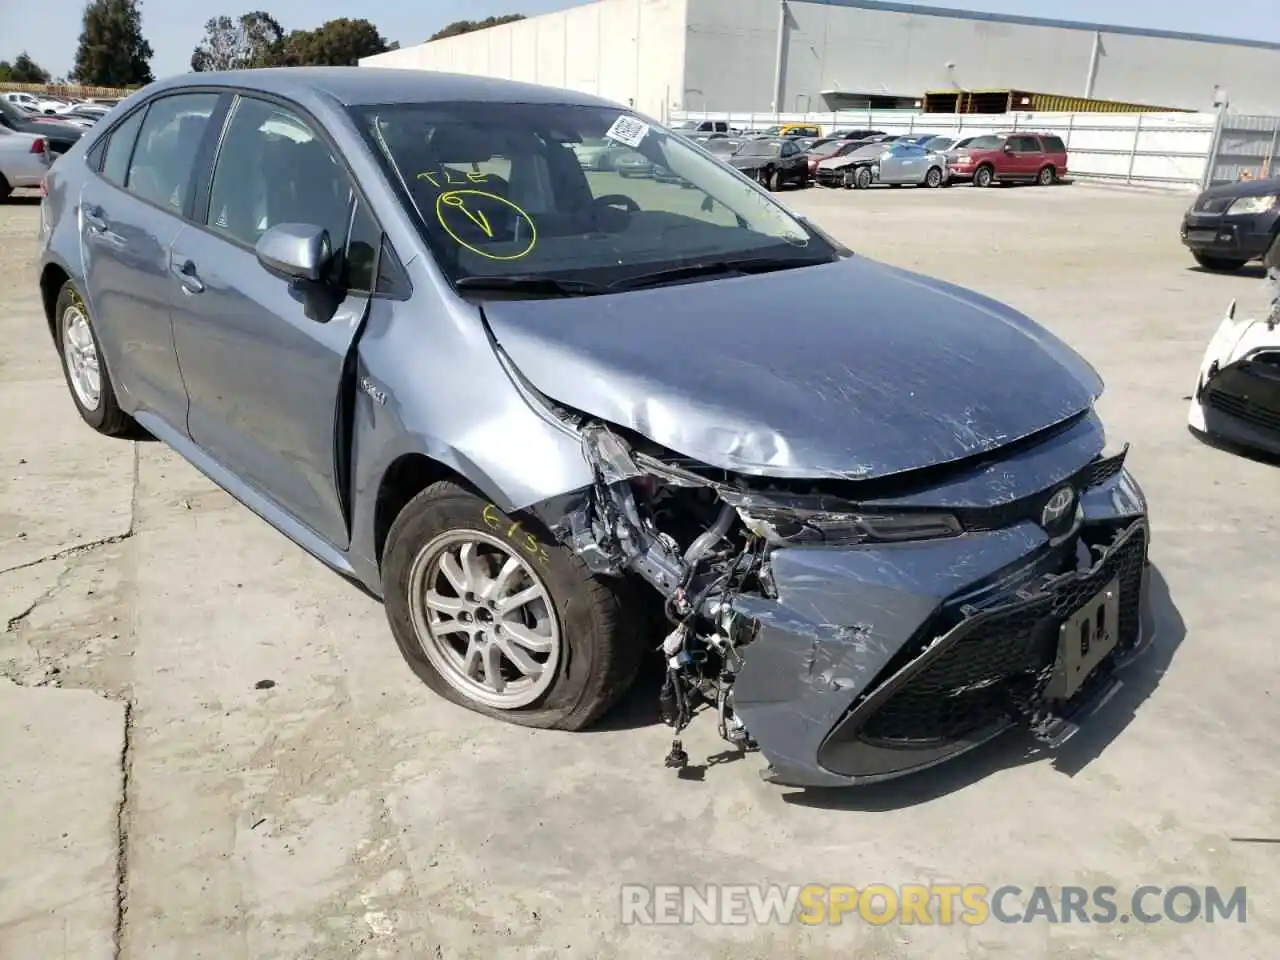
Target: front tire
984,177
5,189
1218,264
862,179
775,181
85,371
494,615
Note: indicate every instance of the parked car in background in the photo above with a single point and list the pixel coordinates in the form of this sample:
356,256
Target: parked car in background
894,163
829,149
534,415
722,148
854,134
84,114
784,130
597,154
18,98
772,163
690,127
60,136
1233,223
1009,158
629,163
24,160
939,144
1237,392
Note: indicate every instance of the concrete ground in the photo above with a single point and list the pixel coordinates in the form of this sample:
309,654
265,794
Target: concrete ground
210,747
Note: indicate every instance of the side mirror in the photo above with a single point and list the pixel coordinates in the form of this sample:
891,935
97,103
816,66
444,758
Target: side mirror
1008,149
295,251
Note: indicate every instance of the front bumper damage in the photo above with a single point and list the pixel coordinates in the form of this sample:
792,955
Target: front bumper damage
1237,391
876,647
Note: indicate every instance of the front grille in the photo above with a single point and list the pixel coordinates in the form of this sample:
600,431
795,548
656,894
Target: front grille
1214,204
1243,409
1094,474
1005,656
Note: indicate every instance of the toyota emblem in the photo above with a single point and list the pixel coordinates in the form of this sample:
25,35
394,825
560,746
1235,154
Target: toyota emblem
1059,506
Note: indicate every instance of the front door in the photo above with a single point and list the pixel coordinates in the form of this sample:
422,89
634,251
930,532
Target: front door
129,217
263,357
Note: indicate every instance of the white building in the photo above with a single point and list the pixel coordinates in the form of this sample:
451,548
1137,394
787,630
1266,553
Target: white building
800,55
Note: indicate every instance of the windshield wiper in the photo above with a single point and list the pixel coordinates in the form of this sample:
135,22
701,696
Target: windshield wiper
546,286
714,268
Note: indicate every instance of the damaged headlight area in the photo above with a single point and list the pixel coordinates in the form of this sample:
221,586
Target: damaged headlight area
701,538
793,604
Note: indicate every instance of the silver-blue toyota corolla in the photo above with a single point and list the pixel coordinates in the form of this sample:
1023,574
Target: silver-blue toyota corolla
540,410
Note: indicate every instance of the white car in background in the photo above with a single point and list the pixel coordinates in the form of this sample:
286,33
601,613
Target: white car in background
24,160
1237,391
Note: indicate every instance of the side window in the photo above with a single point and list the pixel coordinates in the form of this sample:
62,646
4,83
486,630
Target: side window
1025,144
165,156
273,168
119,144
790,149
361,260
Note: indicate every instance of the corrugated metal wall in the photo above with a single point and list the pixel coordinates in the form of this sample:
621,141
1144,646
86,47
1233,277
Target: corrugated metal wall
733,47
626,50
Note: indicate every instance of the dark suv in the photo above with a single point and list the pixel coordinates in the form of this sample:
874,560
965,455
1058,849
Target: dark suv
1000,157
1233,223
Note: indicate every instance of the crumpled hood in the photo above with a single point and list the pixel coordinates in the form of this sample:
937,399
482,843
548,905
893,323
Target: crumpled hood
851,369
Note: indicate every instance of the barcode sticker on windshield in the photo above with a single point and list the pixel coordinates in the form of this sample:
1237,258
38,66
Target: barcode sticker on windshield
628,131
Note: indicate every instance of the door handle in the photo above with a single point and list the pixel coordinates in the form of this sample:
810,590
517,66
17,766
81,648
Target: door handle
187,276
94,218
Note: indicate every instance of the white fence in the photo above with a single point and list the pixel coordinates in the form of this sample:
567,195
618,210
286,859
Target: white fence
1159,149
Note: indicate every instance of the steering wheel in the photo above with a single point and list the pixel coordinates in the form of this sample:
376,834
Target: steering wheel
616,200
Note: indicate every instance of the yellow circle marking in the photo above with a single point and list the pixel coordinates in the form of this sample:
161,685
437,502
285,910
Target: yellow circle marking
455,199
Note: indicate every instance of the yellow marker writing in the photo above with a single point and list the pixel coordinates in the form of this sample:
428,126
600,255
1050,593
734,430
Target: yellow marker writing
452,201
475,216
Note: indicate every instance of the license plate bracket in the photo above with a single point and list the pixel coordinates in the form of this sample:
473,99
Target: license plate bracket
1084,641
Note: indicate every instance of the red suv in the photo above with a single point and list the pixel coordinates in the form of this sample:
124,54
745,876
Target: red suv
1027,157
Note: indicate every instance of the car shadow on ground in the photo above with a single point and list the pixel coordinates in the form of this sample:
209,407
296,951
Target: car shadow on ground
1016,748
1250,271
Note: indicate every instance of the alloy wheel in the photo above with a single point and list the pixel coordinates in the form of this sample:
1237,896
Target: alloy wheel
484,618
84,367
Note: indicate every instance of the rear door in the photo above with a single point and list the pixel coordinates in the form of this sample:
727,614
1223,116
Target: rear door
130,214
263,358
905,164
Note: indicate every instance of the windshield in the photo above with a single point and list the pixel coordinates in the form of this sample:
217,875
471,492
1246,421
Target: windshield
499,192
723,145
939,143
828,149
758,148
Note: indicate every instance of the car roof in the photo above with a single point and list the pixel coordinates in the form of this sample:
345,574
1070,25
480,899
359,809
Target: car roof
357,86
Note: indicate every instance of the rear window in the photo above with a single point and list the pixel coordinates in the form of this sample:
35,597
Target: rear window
1053,145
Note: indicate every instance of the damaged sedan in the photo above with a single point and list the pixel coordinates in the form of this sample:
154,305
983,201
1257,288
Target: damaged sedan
560,421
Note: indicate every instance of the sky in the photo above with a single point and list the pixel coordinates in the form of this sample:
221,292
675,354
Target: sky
49,30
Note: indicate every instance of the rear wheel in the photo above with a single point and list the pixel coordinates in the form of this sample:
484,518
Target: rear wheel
87,378
862,179
1222,264
933,178
1046,176
983,177
493,614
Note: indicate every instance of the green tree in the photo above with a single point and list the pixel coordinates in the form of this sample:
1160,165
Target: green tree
112,51
459,27
338,43
251,40
23,70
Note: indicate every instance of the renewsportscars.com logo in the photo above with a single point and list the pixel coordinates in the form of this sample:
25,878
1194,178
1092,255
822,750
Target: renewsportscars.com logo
927,904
